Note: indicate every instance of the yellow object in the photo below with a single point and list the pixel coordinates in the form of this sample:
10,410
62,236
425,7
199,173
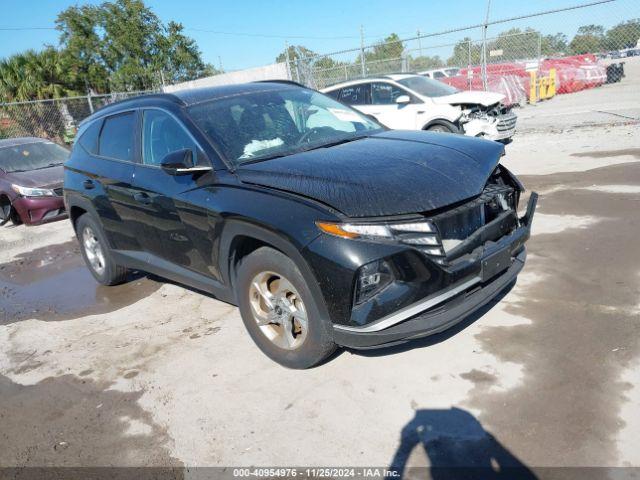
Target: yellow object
533,88
552,83
542,88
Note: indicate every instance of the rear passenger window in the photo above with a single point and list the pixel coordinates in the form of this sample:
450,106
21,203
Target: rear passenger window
89,138
116,139
356,95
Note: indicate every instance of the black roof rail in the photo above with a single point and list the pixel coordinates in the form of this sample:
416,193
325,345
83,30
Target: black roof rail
282,80
370,77
163,96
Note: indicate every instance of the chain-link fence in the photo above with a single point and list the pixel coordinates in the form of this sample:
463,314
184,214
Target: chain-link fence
56,120
580,45
493,52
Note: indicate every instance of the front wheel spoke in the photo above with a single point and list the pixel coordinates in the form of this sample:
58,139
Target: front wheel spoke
284,287
287,333
262,318
300,315
266,296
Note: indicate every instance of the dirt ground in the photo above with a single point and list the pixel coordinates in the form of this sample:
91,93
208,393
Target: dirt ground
151,373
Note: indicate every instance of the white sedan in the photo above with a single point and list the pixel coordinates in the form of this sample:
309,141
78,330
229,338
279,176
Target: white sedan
414,102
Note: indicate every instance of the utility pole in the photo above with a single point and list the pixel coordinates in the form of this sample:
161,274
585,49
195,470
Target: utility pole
419,43
483,60
220,63
362,64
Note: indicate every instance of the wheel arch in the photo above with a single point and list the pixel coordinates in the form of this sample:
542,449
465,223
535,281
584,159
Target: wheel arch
78,206
241,238
442,121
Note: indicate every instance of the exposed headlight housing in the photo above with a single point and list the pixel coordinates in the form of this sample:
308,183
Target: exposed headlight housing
32,192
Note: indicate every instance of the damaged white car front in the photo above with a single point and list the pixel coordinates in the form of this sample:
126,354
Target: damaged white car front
482,114
494,123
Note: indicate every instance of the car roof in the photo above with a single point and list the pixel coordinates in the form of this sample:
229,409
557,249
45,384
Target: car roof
12,142
392,76
192,96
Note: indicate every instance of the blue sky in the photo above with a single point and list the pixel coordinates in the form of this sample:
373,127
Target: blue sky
330,25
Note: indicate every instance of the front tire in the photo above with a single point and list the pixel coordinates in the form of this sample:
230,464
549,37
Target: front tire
96,253
443,126
279,311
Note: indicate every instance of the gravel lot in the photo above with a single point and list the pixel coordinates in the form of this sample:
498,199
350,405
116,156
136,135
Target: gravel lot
150,373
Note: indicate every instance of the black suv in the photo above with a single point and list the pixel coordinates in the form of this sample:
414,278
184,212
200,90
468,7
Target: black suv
322,226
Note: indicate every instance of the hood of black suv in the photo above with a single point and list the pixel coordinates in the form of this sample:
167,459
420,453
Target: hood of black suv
389,173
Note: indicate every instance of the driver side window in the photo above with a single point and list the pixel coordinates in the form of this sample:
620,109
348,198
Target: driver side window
385,93
161,135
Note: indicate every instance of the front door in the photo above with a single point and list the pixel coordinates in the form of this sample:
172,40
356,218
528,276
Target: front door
387,111
173,227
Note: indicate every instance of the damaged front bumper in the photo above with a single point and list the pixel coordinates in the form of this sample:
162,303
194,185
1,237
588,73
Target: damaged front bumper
499,127
497,267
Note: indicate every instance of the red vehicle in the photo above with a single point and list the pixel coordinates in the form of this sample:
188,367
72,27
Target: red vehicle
31,181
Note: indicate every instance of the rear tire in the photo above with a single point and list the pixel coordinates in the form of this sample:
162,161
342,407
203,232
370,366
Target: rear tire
96,253
5,210
279,311
443,126
15,217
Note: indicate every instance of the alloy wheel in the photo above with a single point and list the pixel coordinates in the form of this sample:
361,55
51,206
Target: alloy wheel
278,310
93,250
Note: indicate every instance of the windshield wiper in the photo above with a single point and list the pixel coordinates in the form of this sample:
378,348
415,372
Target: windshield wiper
335,142
260,159
48,166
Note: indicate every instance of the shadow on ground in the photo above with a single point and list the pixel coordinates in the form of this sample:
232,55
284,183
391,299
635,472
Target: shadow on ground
452,444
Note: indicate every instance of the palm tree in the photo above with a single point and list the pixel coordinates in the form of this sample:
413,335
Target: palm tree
32,76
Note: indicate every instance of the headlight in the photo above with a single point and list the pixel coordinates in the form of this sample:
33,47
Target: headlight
419,233
33,192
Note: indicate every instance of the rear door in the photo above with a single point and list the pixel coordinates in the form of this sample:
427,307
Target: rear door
358,96
108,174
173,226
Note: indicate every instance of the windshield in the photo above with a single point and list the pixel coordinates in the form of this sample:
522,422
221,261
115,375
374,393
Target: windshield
261,125
428,87
31,156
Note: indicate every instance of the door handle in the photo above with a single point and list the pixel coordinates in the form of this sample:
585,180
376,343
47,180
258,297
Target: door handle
142,198
88,185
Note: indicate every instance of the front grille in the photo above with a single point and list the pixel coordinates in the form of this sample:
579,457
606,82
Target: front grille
457,225
506,122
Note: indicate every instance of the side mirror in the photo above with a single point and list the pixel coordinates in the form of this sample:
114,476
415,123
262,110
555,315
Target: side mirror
173,162
403,100
180,162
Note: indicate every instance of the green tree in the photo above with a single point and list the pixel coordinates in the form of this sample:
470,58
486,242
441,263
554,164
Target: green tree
588,39
425,62
465,52
390,48
295,52
306,58
623,35
123,45
32,76
553,44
